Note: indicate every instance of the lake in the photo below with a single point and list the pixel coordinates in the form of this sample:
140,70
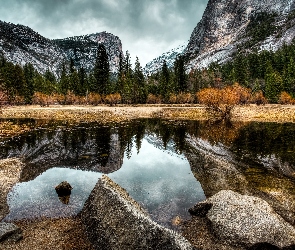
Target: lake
166,166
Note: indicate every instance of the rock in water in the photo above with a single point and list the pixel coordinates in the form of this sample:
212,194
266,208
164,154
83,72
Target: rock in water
113,220
10,231
241,219
63,189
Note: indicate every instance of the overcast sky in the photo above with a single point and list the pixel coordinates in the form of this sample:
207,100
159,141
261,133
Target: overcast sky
147,28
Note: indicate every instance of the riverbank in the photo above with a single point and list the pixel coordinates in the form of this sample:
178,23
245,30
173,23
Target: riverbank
103,113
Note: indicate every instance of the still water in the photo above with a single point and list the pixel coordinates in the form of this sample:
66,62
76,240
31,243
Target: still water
164,166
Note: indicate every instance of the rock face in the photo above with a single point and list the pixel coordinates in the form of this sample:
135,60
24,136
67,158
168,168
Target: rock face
241,219
10,231
156,64
223,28
113,220
21,45
10,170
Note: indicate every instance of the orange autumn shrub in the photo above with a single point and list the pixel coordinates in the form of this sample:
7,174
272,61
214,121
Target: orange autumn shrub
153,99
41,99
258,98
113,99
94,99
220,102
285,98
172,98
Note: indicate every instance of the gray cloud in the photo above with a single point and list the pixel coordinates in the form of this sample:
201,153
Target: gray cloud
147,28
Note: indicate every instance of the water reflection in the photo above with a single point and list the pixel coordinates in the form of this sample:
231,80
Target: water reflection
154,161
160,180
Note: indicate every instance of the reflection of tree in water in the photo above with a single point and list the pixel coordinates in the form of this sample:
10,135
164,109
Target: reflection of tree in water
266,139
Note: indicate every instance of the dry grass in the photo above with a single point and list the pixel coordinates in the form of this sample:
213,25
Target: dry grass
10,129
107,114
48,234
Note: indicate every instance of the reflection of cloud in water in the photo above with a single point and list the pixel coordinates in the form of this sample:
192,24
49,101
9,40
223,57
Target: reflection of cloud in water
38,197
161,182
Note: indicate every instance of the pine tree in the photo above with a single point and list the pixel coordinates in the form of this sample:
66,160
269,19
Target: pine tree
127,91
139,92
29,73
180,75
273,84
165,88
64,80
102,70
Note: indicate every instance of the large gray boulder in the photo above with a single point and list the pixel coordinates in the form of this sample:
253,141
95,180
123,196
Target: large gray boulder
245,220
113,220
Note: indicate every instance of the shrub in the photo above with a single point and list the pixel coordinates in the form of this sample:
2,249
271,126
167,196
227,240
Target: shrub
220,102
258,98
285,98
113,99
152,99
183,98
93,98
172,98
41,99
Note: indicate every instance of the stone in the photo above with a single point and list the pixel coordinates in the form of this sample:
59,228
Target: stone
200,210
9,231
247,220
113,220
63,189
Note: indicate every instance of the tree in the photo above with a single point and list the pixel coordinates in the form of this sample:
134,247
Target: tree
29,73
64,80
274,84
165,79
101,70
139,92
180,75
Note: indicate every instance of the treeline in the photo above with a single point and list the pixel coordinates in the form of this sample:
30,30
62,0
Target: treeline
272,73
267,75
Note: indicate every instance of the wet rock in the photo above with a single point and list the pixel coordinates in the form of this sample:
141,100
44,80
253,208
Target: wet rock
63,189
9,231
113,220
247,220
10,170
200,210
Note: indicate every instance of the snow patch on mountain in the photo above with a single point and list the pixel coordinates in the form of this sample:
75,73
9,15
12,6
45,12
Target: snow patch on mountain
156,64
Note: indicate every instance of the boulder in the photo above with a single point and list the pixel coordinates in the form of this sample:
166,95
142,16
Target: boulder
10,170
9,231
246,220
63,189
113,220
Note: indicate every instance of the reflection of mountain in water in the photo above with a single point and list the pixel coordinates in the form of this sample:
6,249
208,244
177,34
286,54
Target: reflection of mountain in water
96,149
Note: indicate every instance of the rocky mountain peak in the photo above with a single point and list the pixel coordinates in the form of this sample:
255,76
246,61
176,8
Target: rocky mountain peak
21,45
224,26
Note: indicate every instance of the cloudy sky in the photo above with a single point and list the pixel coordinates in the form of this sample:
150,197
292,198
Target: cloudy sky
147,28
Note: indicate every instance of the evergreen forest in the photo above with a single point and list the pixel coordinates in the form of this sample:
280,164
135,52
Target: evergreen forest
267,76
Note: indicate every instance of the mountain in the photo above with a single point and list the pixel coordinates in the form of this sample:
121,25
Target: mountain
156,64
83,49
228,27
20,44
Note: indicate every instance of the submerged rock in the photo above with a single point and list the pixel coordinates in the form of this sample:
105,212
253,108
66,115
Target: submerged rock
247,220
9,231
113,220
63,189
